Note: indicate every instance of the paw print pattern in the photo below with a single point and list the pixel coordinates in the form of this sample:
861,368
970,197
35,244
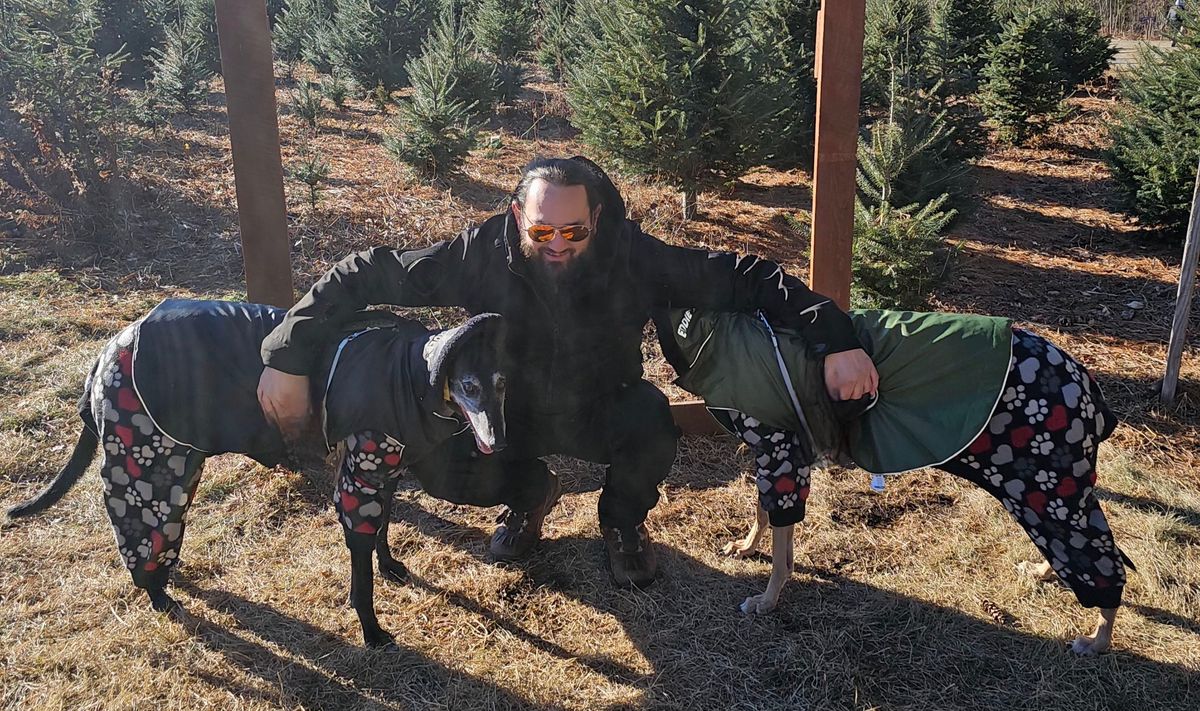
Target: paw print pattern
1050,402
1043,444
1046,480
144,454
162,444
369,467
1058,509
148,477
113,445
1037,410
1014,396
781,473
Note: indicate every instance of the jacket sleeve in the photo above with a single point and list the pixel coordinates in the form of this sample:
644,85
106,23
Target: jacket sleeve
723,281
438,275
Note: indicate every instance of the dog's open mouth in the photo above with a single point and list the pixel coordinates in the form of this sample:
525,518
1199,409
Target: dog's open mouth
481,445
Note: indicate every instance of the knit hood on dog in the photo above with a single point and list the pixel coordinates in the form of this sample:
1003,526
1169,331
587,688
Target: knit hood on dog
442,347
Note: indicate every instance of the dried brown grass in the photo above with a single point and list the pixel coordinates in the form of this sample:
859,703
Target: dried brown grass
894,598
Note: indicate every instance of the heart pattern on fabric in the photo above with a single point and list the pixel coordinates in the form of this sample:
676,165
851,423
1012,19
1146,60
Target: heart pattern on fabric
1076,433
1029,370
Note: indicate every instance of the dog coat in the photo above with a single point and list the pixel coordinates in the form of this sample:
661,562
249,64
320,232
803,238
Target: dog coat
196,366
940,376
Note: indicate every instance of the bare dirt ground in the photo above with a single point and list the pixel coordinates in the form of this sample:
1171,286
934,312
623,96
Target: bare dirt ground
889,605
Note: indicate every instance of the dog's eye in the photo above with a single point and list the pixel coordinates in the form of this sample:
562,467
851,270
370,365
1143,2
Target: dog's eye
470,389
499,383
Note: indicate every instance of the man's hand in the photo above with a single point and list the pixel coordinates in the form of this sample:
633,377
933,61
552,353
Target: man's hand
285,401
849,375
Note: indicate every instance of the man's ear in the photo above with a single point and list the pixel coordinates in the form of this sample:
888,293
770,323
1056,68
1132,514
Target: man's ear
596,212
516,211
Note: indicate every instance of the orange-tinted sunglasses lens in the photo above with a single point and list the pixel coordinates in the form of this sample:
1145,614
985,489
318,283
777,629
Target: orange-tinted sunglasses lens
571,233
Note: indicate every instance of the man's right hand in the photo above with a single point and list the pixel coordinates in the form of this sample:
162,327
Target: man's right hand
285,401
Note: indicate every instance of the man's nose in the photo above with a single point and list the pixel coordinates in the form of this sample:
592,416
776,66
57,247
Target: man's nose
558,243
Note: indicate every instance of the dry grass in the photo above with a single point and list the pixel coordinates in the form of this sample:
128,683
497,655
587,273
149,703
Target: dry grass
889,607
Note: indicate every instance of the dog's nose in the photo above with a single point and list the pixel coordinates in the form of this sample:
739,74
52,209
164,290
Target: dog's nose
499,447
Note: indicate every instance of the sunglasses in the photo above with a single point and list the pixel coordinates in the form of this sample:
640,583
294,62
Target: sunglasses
544,233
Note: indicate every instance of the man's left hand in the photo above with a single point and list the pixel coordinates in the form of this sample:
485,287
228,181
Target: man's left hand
850,375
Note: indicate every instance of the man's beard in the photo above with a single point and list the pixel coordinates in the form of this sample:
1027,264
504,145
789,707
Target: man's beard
553,278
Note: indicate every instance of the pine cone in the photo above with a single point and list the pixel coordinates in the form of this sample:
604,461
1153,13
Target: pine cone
999,616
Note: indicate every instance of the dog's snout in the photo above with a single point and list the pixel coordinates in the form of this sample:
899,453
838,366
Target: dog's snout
499,446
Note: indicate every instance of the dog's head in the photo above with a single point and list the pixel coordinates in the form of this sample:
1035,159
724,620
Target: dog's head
471,370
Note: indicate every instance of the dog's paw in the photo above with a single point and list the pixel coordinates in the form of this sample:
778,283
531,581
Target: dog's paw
735,549
758,604
1039,572
1089,645
380,640
394,571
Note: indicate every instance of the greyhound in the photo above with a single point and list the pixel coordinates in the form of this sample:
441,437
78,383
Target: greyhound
178,386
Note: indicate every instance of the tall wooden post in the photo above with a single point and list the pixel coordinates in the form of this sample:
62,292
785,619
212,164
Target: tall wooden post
839,80
246,64
1183,298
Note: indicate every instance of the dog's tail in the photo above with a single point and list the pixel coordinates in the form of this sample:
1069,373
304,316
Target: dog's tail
85,451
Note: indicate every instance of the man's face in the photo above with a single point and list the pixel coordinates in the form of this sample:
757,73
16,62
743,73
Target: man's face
557,206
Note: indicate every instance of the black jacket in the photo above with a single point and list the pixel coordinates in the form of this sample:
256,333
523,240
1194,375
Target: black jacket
196,370
565,350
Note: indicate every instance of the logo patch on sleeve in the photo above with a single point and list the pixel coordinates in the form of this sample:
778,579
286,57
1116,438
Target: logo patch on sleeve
684,324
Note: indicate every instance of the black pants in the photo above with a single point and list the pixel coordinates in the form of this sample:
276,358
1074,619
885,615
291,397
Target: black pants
630,430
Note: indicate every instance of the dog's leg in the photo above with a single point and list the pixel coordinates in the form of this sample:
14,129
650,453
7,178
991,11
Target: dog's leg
362,588
1100,639
748,545
389,568
781,570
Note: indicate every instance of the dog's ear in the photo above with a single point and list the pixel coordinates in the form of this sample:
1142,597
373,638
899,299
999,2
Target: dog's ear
443,347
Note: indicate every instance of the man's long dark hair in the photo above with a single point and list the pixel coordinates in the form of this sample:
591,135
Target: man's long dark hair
577,170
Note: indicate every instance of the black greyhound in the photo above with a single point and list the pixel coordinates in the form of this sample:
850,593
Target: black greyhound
179,385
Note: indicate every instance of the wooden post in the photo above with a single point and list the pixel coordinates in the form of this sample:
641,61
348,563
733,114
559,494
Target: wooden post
839,80
246,64
1183,298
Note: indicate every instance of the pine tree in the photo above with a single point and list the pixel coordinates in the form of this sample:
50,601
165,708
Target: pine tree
556,48
962,30
200,17
906,177
1083,52
298,32
433,132
895,42
1156,139
781,47
567,29
132,28
59,106
894,242
306,104
311,170
372,40
893,253
664,92
503,28
510,78
451,48
336,88
180,75
1021,82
